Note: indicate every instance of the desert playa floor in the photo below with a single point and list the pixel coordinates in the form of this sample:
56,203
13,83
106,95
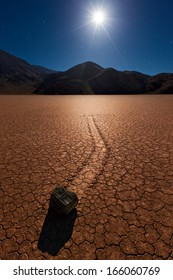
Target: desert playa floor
115,152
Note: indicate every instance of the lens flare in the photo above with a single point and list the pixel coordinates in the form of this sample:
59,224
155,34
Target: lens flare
99,17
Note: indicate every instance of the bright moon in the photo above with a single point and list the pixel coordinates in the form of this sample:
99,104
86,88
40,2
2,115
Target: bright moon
99,17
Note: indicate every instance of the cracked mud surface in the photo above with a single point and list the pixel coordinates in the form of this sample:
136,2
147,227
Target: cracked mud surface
116,153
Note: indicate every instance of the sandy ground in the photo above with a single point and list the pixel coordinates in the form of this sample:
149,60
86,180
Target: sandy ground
115,152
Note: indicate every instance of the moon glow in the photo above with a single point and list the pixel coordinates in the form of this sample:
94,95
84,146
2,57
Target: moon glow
99,17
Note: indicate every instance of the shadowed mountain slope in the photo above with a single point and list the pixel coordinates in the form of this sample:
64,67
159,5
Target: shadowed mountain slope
111,81
19,77
73,81
90,78
161,83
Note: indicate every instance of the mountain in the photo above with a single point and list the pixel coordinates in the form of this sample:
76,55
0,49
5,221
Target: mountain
18,76
161,83
44,70
117,82
73,81
90,78
84,71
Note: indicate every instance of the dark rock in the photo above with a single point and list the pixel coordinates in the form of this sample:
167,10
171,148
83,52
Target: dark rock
63,201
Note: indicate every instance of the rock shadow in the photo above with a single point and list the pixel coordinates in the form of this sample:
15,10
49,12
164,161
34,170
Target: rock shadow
56,231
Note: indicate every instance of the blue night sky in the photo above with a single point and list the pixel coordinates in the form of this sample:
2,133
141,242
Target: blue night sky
136,34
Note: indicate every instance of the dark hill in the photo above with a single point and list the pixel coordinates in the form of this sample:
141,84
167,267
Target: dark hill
90,78
161,83
43,70
111,81
84,71
73,81
18,76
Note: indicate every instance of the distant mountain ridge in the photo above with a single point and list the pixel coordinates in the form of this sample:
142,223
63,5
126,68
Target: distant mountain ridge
44,70
119,82
161,83
19,77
